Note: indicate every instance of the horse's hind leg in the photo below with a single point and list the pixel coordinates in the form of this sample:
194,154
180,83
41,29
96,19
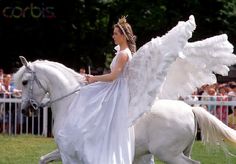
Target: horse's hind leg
145,159
52,156
181,159
187,152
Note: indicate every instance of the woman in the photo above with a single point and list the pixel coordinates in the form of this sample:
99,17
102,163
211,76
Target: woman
124,38
97,132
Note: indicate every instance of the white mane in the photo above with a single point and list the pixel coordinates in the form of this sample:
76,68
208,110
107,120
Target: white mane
68,72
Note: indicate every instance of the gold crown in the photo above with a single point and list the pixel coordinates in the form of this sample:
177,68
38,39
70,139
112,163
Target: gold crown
122,20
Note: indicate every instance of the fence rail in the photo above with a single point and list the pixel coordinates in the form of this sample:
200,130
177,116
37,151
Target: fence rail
13,122
220,106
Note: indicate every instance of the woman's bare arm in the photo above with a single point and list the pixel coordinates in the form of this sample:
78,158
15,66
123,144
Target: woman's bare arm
115,72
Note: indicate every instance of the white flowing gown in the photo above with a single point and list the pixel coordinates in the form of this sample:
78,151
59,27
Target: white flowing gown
96,129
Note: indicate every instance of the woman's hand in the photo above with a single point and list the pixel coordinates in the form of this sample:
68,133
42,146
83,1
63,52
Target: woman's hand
90,79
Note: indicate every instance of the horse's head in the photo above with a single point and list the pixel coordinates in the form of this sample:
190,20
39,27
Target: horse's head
33,90
43,77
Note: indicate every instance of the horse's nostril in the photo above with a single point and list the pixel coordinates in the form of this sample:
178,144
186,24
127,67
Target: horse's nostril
23,111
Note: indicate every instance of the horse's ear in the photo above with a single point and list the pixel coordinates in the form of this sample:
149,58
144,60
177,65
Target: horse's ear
23,61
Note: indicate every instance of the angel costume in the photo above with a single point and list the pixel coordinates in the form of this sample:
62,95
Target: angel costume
98,128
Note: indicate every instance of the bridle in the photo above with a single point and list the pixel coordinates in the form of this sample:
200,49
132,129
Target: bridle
39,105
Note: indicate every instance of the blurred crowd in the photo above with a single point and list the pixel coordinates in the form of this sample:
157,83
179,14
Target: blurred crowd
225,90
210,94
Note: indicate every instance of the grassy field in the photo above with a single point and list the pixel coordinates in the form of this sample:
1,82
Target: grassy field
27,149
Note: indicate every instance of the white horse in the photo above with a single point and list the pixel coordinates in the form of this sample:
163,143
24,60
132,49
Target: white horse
168,131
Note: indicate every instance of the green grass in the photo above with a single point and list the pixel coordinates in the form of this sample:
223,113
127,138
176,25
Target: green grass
213,156
210,155
24,149
27,149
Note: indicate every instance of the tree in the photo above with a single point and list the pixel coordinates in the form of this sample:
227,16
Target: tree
78,33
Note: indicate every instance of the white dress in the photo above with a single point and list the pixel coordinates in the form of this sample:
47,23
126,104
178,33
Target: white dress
96,130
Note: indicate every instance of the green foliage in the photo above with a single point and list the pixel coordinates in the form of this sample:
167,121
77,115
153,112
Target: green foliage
79,32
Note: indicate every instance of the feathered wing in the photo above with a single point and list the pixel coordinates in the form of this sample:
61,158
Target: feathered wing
149,66
202,60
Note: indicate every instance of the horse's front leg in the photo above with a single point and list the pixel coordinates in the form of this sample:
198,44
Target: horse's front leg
52,156
145,159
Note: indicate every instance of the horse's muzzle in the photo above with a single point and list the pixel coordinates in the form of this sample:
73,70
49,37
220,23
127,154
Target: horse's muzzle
28,110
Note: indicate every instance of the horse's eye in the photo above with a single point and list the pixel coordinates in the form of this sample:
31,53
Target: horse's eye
24,82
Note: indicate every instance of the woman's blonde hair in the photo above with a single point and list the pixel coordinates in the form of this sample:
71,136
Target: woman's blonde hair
127,31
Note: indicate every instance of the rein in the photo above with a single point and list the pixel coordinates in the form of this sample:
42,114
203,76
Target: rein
49,103
34,103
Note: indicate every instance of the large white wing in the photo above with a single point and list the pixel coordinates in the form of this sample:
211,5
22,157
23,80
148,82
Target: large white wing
203,59
148,68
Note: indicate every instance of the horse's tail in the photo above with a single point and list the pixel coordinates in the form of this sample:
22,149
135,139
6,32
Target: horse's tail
213,130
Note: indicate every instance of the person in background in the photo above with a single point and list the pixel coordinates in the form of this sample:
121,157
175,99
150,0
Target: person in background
222,110
1,81
232,92
1,105
232,119
1,75
82,71
8,87
193,98
9,91
211,97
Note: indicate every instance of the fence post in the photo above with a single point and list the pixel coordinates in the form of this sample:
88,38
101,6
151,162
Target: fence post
45,122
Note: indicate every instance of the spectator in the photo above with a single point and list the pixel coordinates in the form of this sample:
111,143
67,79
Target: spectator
82,71
9,90
222,110
1,75
210,96
1,105
202,91
232,92
8,87
232,119
193,98
232,95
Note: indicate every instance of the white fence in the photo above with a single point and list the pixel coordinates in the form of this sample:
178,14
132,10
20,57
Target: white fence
219,106
13,122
